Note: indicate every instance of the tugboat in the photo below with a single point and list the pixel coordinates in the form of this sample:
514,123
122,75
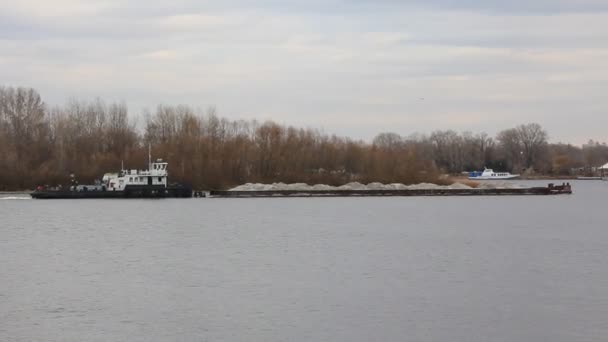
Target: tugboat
151,183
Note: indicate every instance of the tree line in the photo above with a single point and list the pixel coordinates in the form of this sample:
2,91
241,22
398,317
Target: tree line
42,145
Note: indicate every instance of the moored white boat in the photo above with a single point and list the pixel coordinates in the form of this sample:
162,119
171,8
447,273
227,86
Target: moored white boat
604,170
489,174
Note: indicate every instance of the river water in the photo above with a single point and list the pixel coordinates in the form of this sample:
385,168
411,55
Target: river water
307,269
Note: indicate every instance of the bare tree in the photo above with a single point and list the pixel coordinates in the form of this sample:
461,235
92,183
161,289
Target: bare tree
533,140
88,138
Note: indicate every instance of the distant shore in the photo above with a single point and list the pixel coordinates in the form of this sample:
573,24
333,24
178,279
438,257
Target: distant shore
459,178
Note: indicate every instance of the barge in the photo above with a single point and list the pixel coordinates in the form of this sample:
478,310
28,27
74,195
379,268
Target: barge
551,189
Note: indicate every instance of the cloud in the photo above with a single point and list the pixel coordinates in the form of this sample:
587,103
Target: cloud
191,22
354,67
499,6
56,8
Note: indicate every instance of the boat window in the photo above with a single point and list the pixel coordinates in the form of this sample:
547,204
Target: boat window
160,179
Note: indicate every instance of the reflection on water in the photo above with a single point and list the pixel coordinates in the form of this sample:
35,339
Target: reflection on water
302,269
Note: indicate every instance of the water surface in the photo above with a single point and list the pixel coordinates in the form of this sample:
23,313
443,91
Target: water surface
306,269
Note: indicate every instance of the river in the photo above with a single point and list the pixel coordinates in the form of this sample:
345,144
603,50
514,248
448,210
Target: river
307,269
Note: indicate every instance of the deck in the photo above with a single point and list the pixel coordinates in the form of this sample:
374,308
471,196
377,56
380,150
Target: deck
548,190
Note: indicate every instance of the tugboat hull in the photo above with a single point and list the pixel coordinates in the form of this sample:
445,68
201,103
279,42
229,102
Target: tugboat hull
129,192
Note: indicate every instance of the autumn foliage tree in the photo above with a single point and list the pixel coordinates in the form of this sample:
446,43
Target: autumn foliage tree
42,145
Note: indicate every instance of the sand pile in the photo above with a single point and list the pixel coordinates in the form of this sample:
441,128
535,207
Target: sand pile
370,186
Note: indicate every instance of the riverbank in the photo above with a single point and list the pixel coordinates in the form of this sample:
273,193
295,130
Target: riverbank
549,178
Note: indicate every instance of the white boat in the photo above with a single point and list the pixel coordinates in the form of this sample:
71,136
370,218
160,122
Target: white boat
156,175
489,174
151,183
604,170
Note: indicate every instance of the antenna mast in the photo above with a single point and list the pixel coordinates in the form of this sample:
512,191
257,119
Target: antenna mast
149,156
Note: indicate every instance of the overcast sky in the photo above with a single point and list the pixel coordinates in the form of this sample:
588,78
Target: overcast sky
351,67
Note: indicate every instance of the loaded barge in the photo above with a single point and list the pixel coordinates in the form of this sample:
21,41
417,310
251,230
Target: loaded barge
152,183
551,189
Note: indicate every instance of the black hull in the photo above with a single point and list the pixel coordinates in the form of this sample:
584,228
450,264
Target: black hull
129,192
550,190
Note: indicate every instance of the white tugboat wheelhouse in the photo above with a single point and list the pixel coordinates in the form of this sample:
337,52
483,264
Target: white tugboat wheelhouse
155,175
